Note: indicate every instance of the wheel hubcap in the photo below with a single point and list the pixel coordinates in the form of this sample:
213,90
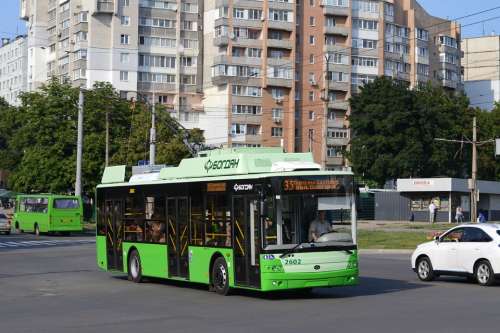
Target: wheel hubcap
134,267
483,273
423,269
221,277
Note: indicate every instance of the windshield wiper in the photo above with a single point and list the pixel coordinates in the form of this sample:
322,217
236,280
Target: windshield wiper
291,250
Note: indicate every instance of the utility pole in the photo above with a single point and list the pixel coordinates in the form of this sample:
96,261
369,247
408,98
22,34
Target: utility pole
473,185
107,138
474,198
79,145
152,138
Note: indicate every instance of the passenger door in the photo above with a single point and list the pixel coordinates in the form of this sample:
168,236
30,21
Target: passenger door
177,237
474,245
445,252
114,234
246,245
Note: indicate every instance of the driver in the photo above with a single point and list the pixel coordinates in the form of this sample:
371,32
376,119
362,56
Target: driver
319,226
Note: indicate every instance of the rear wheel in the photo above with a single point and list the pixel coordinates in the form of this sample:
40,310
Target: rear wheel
484,273
424,269
220,277
37,230
134,267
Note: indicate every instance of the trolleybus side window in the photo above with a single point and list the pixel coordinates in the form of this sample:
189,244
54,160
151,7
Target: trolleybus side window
134,217
155,227
217,221
196,219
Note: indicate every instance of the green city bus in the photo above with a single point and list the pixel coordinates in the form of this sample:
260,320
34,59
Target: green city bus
231,218
46,213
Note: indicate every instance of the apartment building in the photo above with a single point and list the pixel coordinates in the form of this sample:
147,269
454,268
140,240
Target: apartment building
248,72
344,44
148,49
13,68
249,56
481,64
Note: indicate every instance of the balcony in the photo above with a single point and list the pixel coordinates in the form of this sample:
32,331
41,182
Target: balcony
344,49
338,105
449,83
337,30
153,86
337,141
253,119
339,123
330,9
279,82
280,25
280,43
336,85
221,41
335,161
104,7
246,138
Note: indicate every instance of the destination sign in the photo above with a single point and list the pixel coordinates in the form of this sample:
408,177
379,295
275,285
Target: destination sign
222,164
310,185
216,187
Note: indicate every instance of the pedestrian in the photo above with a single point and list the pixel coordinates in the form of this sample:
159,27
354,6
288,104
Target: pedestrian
432,212
481,217
459,215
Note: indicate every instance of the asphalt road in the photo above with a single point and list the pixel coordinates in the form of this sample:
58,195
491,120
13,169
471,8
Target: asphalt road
57,288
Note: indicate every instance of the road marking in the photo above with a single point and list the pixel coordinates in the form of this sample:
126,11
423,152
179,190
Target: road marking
41,243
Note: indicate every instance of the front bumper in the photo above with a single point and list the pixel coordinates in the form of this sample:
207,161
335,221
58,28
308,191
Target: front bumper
283,281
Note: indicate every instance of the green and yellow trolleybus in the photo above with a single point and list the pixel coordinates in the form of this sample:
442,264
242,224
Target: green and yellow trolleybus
45,213
254,218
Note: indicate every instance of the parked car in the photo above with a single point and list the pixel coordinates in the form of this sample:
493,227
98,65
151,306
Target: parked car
4,224
471,251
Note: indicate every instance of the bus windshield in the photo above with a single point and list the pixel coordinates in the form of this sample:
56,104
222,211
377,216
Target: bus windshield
321,215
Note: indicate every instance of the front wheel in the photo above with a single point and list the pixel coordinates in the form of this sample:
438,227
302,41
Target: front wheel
424,269
484,273
134,267
220,276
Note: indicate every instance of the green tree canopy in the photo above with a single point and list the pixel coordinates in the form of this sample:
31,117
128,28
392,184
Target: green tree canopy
394,130
38,139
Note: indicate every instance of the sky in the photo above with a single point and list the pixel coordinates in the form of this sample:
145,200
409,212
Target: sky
451,9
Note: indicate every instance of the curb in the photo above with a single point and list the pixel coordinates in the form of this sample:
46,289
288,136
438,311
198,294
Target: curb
385,251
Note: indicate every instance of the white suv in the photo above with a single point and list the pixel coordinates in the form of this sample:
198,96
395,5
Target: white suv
467,250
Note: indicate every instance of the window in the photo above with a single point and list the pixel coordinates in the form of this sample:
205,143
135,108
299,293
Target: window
448,41
156,77
364,43
311,96
253,34
254,53
365,6
123,76
124,58
280,15
364,62
155,227
422,51
312,115
157,41
238,129
83,17
311,58
454,235
125,20
246,109
311,3
330,21
275,34
277,113
278,93
254,14
188,61
218,221
365,24
188,25
124,39
475,235
422,34
188,79
66,203
423,69
238,13
276,131
125,3
337,76
81,36
312,40
276,54
147,60
248,91
312,21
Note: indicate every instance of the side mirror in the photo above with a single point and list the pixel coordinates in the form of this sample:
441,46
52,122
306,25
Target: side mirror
436,238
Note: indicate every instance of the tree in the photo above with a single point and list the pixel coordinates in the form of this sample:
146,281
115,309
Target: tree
488,128
38,139
394,130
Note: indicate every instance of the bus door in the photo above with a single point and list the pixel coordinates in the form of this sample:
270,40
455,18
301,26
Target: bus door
246,245
114,234
177,237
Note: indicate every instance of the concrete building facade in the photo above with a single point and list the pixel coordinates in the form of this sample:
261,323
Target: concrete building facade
13,68
247,72
481,63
